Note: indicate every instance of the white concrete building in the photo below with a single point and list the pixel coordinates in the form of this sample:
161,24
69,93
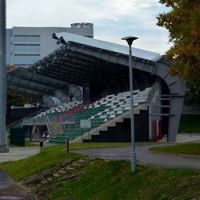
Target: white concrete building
26,45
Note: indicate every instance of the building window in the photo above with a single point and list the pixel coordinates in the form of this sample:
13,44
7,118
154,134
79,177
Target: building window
27,38
26,59
26,54
27,47
27,44
27,35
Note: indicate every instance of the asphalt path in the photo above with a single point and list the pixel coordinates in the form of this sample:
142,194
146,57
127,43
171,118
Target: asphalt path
144,156
9,190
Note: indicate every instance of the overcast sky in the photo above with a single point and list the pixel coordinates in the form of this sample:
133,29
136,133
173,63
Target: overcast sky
112,19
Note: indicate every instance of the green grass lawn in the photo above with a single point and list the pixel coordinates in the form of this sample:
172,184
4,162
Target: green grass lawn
47,158
107,180
189,149
189,124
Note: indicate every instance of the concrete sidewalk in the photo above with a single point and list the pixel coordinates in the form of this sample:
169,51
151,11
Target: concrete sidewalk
9,190
184,137
18,153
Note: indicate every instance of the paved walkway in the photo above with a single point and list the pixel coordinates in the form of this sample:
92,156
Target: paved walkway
185,137
9,190
18,153
147,157
143,156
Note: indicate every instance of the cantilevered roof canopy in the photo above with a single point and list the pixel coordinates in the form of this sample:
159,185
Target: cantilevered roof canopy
83,60
112,47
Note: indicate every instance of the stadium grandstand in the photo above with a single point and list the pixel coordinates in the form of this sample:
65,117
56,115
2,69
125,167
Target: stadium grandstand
91,80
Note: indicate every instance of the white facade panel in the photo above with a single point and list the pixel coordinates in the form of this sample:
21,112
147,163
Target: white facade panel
25,60
26,45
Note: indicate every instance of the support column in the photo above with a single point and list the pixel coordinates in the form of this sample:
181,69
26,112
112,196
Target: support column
176,106
86,93
3,137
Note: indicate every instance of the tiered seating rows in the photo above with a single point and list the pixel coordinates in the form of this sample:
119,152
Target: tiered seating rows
101,111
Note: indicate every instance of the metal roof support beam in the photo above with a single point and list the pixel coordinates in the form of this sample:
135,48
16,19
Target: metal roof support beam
67,68
77,65
140,64
60,76
23,91
60,71
34,77
76,61
29,84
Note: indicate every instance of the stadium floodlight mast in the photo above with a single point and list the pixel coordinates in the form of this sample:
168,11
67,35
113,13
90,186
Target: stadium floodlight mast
129,40
3,141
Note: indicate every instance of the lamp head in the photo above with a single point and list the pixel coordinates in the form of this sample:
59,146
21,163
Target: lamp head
129,39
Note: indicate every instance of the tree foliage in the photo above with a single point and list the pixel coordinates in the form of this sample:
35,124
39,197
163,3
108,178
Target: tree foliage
183,24
17,100
13,98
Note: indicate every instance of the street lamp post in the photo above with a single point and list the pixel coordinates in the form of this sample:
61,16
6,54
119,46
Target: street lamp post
129,40
3,143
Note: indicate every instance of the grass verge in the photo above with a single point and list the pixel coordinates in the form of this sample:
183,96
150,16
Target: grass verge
189,124
107,180
188,149
47,158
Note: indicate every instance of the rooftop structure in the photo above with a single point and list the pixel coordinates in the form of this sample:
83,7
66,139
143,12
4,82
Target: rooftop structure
26,45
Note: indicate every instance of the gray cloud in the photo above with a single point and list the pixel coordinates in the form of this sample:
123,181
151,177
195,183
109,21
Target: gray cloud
117,17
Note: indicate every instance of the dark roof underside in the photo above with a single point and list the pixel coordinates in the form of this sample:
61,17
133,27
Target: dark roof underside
70,64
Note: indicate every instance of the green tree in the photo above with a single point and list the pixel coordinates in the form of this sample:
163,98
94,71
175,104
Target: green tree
12,97
17,100
183,23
